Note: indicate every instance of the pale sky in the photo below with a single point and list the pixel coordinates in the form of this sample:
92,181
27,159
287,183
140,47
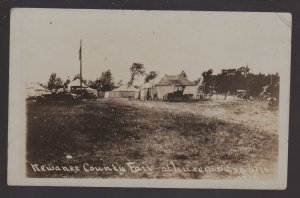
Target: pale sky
47,40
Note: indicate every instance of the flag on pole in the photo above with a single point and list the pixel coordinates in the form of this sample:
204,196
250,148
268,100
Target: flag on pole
80,58
80,52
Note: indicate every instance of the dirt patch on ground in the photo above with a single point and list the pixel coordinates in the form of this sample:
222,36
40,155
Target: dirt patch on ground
176,140
252,114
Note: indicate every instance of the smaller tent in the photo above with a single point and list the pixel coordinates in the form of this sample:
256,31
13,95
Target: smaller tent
123,91
34,89
75,84
148,91
75,87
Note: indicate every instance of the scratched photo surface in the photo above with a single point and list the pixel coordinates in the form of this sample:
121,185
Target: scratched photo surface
122,94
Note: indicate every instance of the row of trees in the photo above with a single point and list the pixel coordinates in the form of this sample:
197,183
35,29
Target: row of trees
106,82
229,80
103,83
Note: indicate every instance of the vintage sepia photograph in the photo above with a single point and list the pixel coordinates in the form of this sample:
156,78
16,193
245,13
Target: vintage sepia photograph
133,98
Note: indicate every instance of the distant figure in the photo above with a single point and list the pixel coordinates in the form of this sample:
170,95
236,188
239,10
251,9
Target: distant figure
272,102
226,95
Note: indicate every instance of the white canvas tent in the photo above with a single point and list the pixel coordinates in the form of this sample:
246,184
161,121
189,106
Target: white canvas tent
123,91
76,84
148,91
34,90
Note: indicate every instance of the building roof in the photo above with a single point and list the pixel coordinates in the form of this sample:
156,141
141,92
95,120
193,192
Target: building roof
168,80
76,83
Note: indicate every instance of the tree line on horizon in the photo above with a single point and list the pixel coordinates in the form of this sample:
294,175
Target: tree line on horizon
228,80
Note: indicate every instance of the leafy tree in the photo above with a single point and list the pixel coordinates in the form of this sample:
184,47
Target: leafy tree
66,82
120,83
104,82
241,78
227,80
244,71
54,81
207,80
136,70
198,80
77,76
150,76
92,84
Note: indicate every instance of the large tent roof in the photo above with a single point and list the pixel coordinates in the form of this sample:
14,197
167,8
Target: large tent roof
34,89
126,88
35,86
168,80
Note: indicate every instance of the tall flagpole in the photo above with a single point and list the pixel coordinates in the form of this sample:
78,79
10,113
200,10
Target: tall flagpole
80,58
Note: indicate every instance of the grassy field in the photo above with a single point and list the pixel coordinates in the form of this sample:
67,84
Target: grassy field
176,140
